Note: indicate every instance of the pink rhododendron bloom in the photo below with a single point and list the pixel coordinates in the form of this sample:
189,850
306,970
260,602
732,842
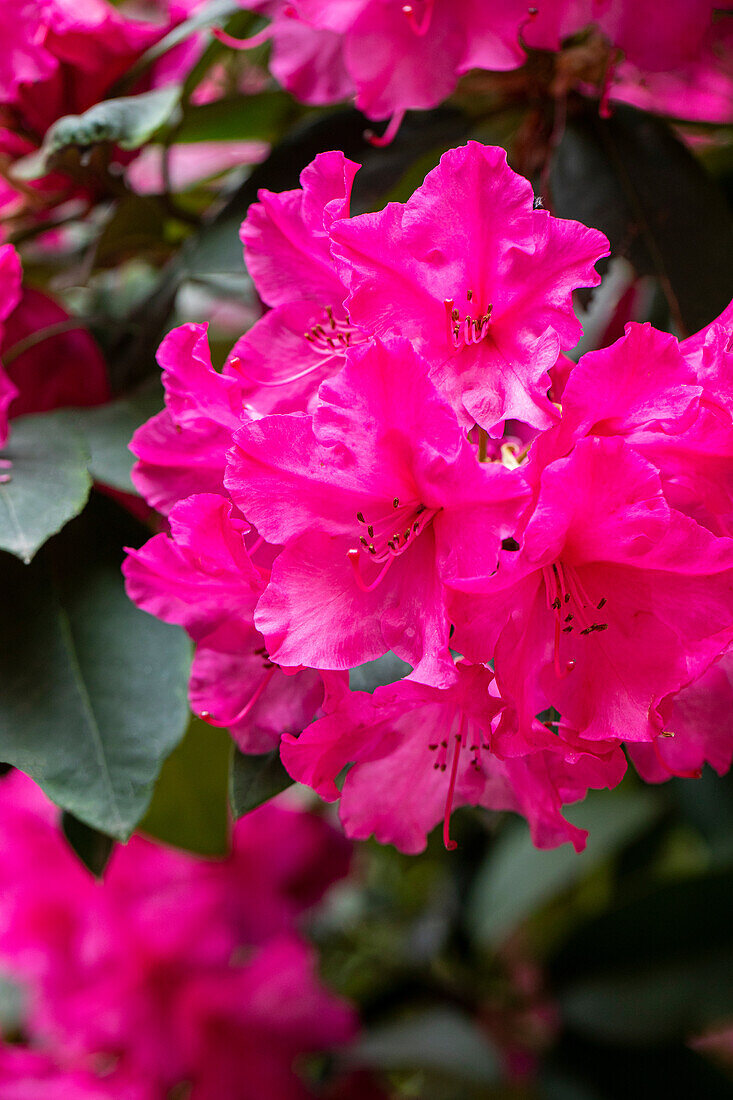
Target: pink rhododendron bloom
202,577
55,371
307,59
376,499
33,1075
477,279
698,729
182,449
304,337
613,602
173,969
419,751
409,56
190,164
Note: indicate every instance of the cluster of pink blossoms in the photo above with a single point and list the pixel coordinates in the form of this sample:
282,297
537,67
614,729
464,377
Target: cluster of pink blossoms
174,972
349,484
395,55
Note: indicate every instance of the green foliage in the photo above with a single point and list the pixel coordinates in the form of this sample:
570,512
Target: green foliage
49,482
129,122
255,779
189,807
94,690
107,430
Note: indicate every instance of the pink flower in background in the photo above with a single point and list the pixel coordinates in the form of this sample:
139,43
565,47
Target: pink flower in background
477,279
173,969
420,751
376,499
613,601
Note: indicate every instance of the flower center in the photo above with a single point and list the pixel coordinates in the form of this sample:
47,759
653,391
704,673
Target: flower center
467,330
334,337
470,735
383,538
572,608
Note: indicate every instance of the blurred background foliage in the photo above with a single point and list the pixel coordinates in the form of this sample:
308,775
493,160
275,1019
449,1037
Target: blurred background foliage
493,971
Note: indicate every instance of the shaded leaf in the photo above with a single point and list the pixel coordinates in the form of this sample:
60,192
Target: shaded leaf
94,690
92,847
49,482
517,878
108,430
236,118
129,122
385,670
213,14
629,176
255,779
189,805
439,1039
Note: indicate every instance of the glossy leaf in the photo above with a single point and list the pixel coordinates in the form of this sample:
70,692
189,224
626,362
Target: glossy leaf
517,878
94,690
255,779
189,806
49,482
108,429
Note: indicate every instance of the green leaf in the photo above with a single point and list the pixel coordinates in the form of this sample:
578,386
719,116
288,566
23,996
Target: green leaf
665,970
108,430
629,176
94,690
517,878
254,779
92,847
49,482
189,806
236,118
385,670
438,1039
129,122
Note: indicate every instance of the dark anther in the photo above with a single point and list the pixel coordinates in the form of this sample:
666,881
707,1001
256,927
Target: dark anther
601,603
510,544
360,517
396,502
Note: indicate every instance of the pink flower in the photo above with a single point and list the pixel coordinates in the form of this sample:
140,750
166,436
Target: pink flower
376,498
306,59
613,602
182,449
302,340
476,279
419,751
409,56
698,729
33,1075
202,577
173,969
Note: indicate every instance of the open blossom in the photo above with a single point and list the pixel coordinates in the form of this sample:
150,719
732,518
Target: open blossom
420,751
613,602
203,578
302,339
375,498
477,279
168,971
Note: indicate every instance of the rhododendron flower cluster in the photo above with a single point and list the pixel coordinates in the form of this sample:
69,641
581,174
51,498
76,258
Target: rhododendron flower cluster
348,485
395,57
172,970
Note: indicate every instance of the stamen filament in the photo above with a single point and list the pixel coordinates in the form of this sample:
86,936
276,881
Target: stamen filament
354,559
242,714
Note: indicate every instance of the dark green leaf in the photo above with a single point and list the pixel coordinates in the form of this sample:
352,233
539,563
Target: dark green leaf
629,176
439,1039
129,122
189,806
374,674
213,14
254,779
108,430
517,878
92,847
49,482
94,690
236,118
